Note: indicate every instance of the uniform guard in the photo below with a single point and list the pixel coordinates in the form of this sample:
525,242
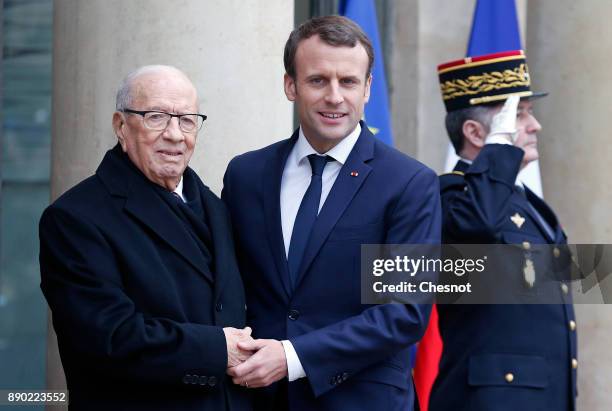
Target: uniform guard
500,357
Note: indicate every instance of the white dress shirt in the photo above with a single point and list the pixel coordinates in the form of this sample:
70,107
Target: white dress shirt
295,182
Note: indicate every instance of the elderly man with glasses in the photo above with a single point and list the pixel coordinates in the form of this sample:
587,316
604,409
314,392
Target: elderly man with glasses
138,267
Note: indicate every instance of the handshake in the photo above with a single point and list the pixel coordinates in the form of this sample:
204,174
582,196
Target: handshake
253,363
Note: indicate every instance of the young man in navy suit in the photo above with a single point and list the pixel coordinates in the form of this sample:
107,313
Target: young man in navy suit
301,208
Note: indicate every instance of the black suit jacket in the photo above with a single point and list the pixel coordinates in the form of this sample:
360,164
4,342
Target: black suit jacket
137,307
484,343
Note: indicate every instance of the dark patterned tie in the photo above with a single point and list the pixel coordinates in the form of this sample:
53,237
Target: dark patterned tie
177,196
306,216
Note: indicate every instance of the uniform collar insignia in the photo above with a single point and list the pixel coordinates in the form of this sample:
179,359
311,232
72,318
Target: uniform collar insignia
518,219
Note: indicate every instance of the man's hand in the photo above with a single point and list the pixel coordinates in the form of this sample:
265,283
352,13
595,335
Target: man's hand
233,336
266,366
503,123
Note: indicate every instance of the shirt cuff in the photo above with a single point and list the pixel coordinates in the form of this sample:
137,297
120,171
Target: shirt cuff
497,139
294,366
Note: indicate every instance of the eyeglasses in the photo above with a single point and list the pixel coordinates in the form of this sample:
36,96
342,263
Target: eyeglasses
159,120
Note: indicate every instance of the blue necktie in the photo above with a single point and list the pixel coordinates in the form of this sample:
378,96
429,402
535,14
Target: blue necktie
306,216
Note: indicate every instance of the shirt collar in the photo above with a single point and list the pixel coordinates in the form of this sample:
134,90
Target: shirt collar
339,152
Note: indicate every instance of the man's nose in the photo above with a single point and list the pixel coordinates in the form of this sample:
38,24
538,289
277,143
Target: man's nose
173,130
534,125
334,95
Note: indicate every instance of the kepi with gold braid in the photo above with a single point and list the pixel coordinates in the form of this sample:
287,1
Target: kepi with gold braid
485,79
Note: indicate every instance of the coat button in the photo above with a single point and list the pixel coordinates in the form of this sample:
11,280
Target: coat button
203,380
564,288
509,377
526,245
294,315
556,252
574,363
212,381
219,306
572,325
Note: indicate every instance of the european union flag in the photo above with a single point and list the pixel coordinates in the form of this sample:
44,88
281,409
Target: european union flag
363,13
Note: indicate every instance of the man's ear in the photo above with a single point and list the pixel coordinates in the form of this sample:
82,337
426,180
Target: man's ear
290,88
474,133
367,88
118,125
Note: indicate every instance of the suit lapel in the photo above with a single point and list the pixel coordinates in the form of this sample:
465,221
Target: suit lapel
547,214
224,260
144,204
272,183
523,203
352,175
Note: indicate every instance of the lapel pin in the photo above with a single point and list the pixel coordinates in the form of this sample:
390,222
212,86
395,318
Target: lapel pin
518,219
354,174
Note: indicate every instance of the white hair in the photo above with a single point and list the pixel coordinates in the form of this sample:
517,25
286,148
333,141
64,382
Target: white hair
124,93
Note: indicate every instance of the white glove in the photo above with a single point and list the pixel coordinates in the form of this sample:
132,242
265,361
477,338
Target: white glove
503,125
